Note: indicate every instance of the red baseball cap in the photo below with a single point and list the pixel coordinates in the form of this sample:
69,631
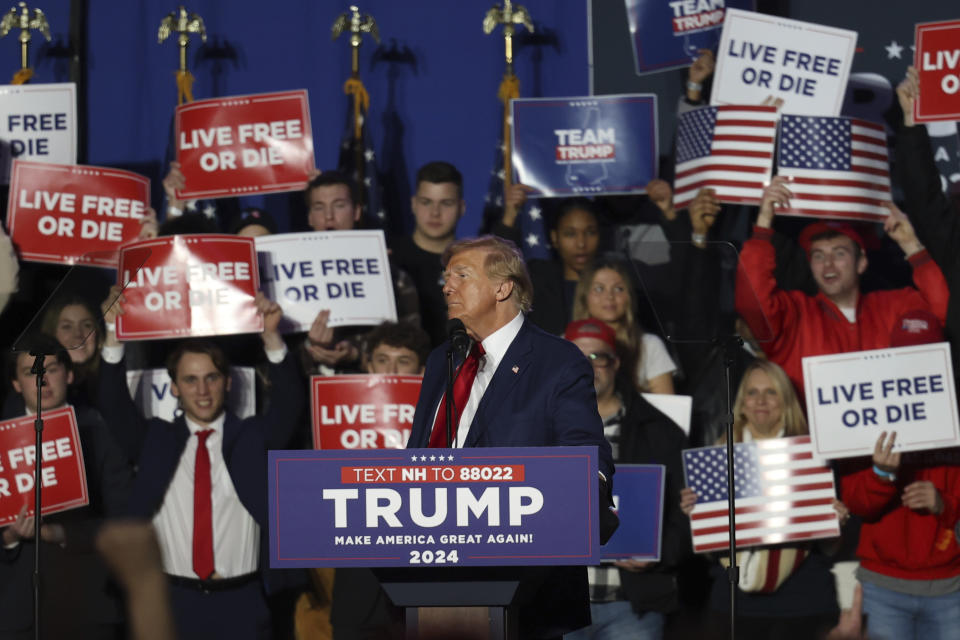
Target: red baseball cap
592,328
815,229
916,327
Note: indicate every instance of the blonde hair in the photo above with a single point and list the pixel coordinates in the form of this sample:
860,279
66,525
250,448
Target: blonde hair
794,422
503,261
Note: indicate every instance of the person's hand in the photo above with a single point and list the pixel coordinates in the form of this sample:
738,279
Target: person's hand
688,500
907,93
922,496
772,101
320,334
319,343
661,194
703,210
702,67
272,314
843,514
884,457
776,194
21,529
514,197
635,566
112,307
173,182
850,624
148,225
313,173
897,226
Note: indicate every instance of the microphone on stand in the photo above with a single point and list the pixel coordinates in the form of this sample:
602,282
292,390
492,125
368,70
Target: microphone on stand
459,344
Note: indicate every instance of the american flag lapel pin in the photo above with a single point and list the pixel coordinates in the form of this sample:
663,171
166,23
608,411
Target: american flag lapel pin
515,369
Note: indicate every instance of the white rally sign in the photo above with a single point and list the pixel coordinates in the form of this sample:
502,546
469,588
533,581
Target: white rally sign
38,122
346,272
150,390
853,397
804,64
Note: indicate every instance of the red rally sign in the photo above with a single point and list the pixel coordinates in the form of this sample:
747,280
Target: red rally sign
189,285
245,144
360,411
62,475
937,59
74,214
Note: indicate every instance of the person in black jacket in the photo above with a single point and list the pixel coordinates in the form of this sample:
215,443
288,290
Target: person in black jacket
632,598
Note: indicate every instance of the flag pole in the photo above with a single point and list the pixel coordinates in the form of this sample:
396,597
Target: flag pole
183,24
20,17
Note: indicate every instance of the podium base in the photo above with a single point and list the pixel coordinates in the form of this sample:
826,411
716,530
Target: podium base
461,623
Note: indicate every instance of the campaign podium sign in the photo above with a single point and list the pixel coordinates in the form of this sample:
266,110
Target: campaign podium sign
638,498
585,146
38,122
188,285
363,411
347,272
62,476
244,145
150,390
804,64
667,35
479,507
74,214
854,397
937,60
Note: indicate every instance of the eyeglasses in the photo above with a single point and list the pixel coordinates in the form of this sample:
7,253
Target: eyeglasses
601,360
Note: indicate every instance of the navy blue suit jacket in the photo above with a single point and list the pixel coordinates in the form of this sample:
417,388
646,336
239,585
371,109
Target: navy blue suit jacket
542,394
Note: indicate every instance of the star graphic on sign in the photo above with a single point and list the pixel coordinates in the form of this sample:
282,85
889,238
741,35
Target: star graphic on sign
413,458
893,50
433,458
209,210
450,458
191,205
533,240
424,458
534,213
368,154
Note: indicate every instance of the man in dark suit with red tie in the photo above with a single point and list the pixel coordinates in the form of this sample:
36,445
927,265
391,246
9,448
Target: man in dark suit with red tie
518,387
202,479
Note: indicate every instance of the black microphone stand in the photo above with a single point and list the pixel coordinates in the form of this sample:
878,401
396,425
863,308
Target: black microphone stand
38,370
729,345
449,403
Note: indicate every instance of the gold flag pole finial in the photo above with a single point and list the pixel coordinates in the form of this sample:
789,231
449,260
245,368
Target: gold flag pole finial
357,25
183,24
22,18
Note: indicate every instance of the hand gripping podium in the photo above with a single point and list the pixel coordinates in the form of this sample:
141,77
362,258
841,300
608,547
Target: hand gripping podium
459,538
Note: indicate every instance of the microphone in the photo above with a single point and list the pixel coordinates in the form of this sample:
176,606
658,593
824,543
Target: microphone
459,340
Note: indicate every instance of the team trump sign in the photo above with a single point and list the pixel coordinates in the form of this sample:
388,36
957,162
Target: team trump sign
62,475
244,144
73,214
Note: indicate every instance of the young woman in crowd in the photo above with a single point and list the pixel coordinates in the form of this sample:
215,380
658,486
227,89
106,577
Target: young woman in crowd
785,591
605,292
76,325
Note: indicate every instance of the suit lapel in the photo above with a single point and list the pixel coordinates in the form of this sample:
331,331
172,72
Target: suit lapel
514,365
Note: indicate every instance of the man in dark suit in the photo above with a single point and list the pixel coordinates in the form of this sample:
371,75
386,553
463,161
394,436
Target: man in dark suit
530,389
202,479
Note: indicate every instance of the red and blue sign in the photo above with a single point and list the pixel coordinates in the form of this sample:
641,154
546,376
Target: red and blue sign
434,507
668,33
585,146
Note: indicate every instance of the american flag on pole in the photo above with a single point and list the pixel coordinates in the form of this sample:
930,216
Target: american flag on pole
838,167
782,494
727,148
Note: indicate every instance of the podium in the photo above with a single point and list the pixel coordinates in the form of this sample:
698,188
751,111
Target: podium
461,539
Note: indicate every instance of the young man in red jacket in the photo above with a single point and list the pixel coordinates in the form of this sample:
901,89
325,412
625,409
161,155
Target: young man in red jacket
909,557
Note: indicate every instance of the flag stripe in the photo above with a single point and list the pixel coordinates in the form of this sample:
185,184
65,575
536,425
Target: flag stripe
772,539
744,526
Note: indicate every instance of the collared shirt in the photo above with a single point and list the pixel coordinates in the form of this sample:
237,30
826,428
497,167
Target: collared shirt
495,345
236,535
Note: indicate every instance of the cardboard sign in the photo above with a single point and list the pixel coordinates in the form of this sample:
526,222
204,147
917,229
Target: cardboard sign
590,145
60,213
189,285
853,397
62,476
434,507
346,272
937,59
150,390
38,122
805,64
243,145
668,33
363,411
638,497
678,408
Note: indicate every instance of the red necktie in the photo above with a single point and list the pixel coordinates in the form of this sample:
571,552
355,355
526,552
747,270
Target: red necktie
461,393
202,510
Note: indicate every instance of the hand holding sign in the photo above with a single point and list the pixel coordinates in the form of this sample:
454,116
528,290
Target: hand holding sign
898,227
777,194
907,92
922,496
884,457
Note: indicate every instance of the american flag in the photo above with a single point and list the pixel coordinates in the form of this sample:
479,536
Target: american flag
727,148
359,161
838,167
782,494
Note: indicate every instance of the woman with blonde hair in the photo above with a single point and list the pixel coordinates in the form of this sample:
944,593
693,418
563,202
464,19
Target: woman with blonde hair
784,591
605,291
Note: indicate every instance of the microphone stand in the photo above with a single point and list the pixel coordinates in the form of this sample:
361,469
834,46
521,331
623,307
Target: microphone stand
729,345
38,370
449,403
